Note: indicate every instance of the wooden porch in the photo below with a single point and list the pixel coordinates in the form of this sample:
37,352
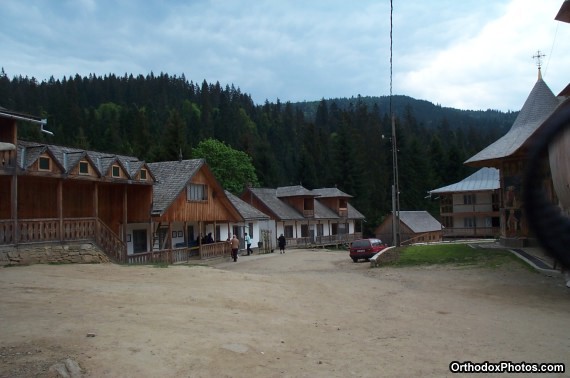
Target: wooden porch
54,230
323,241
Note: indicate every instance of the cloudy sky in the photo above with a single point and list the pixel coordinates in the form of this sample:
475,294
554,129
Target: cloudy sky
467,54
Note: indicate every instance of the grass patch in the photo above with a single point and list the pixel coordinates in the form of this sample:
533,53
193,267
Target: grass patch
455,254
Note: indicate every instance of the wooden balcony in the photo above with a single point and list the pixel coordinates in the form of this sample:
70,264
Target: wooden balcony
308,213
478,232
322,241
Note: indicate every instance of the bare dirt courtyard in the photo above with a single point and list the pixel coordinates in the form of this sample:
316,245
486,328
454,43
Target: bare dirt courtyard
302,314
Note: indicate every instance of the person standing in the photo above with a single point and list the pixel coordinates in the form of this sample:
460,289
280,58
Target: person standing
282,243
235,246
248,244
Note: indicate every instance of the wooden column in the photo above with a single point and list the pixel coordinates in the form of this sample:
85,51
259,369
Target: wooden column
14,206
124,233
60,208
96,209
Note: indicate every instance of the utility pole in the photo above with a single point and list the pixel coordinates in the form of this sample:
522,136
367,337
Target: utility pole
395,189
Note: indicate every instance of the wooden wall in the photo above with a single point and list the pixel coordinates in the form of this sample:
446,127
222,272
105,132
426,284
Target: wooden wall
139,203
37,197
78,199
5,197
215,209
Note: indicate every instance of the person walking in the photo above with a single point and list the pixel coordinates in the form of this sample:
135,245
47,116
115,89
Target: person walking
282,243
234,243
248,244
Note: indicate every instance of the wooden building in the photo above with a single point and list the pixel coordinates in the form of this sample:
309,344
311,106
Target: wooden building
470,207
415,227
258,225
308,217
509,154
134,211
59,194
188,204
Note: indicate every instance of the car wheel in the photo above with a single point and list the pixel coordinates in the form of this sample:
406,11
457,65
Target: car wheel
354,259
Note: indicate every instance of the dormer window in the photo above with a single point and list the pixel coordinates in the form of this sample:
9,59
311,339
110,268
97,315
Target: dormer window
83,168
116,171
44,164
143,174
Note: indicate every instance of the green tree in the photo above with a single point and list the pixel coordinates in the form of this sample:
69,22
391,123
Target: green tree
233,169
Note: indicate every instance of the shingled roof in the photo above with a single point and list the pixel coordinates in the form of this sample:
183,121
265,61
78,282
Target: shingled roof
420,221
279,208
294,191
67,158
353,213
483,179
247,211
539,105
172,178
331,193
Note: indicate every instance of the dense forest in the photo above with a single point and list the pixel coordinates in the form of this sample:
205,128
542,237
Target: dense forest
335,142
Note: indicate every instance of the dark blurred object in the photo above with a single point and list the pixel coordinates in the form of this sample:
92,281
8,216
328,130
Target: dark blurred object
564,13
546,220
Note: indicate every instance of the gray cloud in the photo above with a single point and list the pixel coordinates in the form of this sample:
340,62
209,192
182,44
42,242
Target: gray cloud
467,54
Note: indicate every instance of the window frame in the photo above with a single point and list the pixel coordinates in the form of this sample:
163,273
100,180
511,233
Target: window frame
44,159
83,164
117,169
196,192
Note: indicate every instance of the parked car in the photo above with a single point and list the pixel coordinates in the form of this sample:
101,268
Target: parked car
365,248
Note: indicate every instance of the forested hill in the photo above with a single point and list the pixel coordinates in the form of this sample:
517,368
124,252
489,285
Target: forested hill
317,144
427,113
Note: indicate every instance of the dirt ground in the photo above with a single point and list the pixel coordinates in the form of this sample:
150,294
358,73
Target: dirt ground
301,314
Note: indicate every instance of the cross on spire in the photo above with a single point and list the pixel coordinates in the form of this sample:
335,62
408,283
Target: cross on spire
538,58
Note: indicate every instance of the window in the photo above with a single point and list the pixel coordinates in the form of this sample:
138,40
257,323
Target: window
469,222
197,192
250,232
116,172
469,199
43,164
288,231
83,168
143,174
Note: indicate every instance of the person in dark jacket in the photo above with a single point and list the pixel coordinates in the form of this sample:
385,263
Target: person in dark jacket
282,243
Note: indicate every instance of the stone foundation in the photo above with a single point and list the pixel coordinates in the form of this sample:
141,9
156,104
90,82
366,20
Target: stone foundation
52,253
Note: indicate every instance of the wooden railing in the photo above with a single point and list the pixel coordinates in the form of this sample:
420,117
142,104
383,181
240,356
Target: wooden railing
337,239
323,240
220,249
181,255
478,232
46,230
111,244
6,232
70,229
165,256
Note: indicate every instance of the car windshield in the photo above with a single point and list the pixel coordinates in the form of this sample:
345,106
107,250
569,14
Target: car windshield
360,244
